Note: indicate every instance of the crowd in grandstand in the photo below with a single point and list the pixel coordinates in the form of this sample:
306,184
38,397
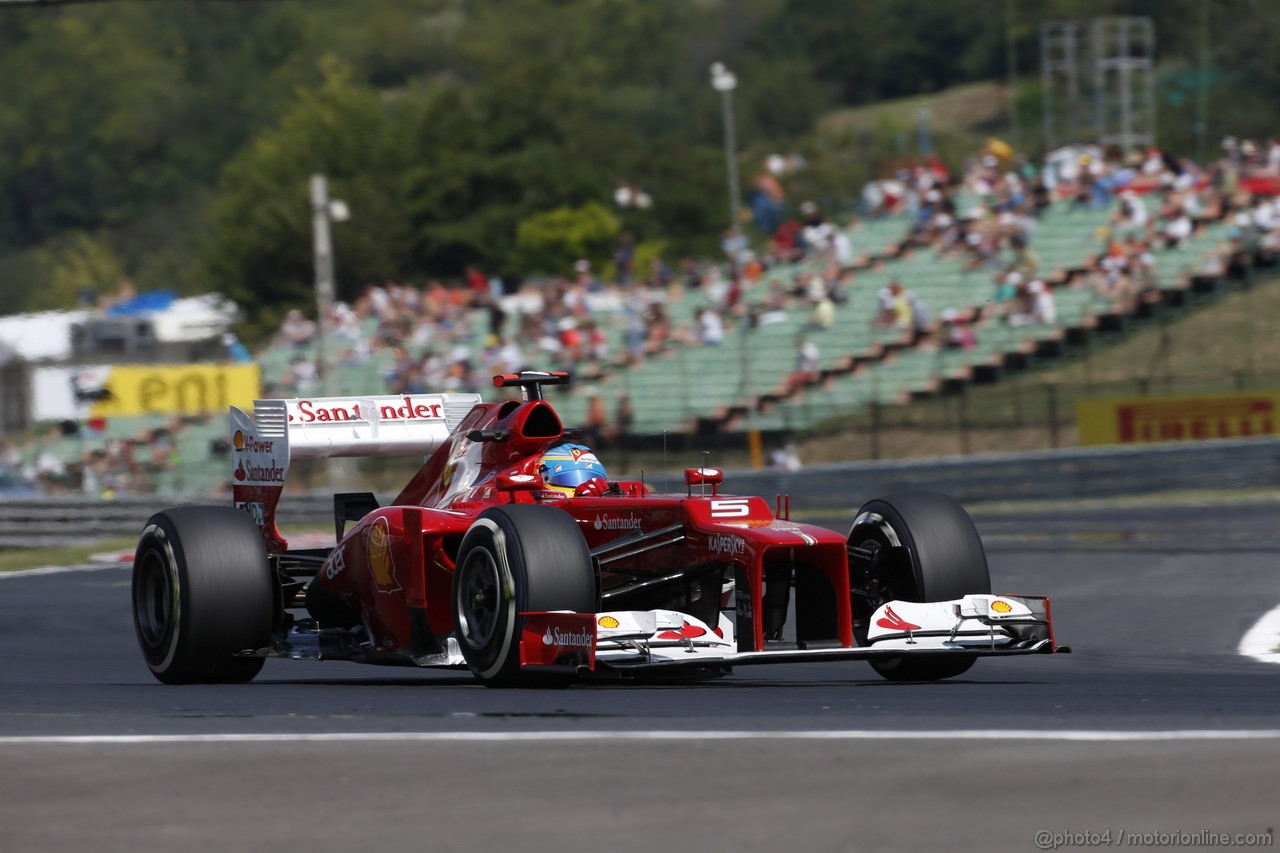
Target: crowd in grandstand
103,467
983,216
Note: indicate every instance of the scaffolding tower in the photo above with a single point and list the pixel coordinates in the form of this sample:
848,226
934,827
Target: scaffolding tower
1099,82
1066,119
1124,87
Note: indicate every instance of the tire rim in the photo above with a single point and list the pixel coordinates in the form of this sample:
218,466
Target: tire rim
153,599
874,522
871,531
478,598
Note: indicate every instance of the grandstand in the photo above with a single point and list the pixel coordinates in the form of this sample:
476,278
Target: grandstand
675,384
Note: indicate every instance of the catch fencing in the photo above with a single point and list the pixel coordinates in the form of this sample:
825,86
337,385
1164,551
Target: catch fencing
1066,474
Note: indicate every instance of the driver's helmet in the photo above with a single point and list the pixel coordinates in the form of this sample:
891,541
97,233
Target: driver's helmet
567,466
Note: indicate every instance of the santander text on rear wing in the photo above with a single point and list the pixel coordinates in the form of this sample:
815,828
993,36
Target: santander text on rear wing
263,443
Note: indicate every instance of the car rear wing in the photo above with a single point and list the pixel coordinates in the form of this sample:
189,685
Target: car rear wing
278,431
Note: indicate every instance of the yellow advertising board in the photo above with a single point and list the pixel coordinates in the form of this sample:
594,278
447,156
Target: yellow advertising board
1146,420
178,389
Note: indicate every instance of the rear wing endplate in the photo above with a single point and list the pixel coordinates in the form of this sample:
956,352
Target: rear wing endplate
278,431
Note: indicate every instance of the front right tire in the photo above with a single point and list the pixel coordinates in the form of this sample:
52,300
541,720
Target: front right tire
947,562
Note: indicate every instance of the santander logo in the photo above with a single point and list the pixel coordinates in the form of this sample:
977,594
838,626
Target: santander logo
617,522
555,637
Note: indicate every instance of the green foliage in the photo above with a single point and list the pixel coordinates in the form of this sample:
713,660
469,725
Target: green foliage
551,242
260,248
172,142
646,252
74,264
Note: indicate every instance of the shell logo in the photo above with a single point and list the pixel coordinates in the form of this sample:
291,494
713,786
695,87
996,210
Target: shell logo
607,622
237,440
380,561
1001,606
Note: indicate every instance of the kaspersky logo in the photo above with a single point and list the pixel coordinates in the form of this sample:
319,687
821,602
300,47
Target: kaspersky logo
631,521
555,637
723,543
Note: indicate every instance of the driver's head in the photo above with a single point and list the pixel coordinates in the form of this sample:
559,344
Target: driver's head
567,466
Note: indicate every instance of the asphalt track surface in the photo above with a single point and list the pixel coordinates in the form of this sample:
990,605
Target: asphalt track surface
1153,724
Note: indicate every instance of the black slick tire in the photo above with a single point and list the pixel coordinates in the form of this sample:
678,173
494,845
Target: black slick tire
516,559
202,595
947,562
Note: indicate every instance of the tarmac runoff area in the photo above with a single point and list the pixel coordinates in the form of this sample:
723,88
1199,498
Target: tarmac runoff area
1160,721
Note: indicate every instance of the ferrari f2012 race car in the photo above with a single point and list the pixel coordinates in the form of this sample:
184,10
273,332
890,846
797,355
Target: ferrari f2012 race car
511,553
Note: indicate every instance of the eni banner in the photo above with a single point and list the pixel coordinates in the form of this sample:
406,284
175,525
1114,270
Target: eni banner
176,389
1146,420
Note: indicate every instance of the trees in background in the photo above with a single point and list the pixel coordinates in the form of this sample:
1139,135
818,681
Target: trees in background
173,141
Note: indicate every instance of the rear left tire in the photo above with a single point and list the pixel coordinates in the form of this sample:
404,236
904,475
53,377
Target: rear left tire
202,595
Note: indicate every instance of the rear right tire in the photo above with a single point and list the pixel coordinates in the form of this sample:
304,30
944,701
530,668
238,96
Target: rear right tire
202,595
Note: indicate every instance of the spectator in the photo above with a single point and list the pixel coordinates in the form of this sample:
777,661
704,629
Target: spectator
903,305
959,334
886,315
625,417
710,327
1035,305
233,350
296,329
624,257
785,457
596,424
808,363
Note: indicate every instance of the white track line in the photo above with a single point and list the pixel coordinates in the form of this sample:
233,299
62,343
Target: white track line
1263,639
60,570
658,735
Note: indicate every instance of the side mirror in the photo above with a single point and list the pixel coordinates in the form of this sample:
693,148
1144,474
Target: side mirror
516,482
712,477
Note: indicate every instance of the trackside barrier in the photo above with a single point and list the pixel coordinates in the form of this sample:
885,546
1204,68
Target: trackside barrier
1067,474
67,520
1074,473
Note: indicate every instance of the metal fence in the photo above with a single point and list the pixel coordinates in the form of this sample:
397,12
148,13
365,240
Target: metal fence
60,521
1041,475
1066,474
1015,416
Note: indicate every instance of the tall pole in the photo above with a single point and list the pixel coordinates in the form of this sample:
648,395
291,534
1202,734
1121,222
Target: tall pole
1202,91
731,158
322,242
1011,61
724,81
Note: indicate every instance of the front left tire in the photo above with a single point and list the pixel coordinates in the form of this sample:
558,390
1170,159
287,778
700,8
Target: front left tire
202,595
516,559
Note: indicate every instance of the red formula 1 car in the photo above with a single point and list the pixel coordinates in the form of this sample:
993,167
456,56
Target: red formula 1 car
488,560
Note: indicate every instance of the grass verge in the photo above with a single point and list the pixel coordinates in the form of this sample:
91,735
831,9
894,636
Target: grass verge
17,559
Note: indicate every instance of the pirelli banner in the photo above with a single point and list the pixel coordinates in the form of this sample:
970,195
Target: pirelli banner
61,393
1147,420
